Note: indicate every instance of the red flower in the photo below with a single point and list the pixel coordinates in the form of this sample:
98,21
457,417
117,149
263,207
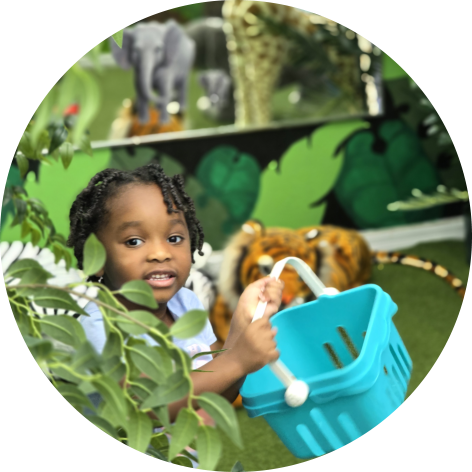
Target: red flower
72,109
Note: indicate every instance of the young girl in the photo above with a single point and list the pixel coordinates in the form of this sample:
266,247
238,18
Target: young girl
148,226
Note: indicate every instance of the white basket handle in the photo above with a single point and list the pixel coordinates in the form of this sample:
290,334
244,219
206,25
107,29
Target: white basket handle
297,390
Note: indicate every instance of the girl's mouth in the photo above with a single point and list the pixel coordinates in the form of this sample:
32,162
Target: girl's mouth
160,280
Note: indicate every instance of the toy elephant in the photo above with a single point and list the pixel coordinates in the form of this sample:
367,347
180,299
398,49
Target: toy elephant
161,55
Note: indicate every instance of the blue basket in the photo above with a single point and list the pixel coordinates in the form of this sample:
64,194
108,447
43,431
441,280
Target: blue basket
348,351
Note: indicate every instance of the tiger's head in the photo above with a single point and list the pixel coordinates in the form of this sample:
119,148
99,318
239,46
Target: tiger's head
251,255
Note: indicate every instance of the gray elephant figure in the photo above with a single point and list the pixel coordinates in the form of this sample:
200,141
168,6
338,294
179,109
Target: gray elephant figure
218,87
162,56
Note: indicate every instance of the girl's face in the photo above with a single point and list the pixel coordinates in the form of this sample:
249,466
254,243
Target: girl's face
144,242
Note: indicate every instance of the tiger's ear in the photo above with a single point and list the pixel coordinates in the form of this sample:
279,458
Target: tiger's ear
254,227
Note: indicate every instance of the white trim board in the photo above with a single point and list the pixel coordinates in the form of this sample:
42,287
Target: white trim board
389,239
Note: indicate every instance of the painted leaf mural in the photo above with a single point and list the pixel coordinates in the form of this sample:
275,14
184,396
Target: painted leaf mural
305,174
377,172
232,177
212,215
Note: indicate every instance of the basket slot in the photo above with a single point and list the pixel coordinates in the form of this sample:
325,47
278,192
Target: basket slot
394,401
399,363
309,440
333,356
348,342
385,370
349,426
405,359
325,428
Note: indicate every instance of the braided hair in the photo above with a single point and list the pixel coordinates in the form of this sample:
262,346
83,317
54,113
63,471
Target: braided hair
90,212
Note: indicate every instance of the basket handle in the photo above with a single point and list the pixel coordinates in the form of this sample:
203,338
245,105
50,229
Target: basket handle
297,390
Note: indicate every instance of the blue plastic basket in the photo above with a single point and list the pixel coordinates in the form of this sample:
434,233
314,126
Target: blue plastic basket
346,348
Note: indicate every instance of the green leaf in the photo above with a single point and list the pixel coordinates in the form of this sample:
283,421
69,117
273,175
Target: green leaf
139,292
84,144
85,358
94,255
161,443
59,135
113,397
23,165
183,431
66,151
63,328
38,222
237,467
22,319
181,358
41,117
114,368
182,461
39,348
175,388
33,277
143,387
139,430
108,413
68,259
25,145
103,424
18,268
139,315
162,412
118,37
148,360
20,207
61,373
166,366
112,346
190,324
42,145
223,413
7,195
209,447
25,228
58,251
200,354
74,396
151,451
35,236
55,298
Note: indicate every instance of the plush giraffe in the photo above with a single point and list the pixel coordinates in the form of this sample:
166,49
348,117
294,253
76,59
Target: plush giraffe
257,55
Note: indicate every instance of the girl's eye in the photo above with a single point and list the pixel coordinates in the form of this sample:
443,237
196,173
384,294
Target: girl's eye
175,239
133,242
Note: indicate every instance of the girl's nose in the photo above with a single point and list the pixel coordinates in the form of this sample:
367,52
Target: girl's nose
158,252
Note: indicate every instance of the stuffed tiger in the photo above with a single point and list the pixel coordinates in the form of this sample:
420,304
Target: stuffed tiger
340,257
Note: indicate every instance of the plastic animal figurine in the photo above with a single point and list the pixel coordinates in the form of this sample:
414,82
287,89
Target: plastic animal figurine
162,56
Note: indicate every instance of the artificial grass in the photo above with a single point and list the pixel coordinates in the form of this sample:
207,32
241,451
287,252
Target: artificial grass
427,311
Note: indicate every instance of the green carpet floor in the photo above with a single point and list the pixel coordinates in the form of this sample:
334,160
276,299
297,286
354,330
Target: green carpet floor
428,309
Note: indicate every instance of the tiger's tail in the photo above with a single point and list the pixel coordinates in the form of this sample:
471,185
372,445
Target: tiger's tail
381,257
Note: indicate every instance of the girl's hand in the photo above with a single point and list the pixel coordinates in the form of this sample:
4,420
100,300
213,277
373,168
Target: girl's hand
265,289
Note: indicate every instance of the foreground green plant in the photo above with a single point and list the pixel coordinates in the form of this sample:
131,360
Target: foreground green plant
136,382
